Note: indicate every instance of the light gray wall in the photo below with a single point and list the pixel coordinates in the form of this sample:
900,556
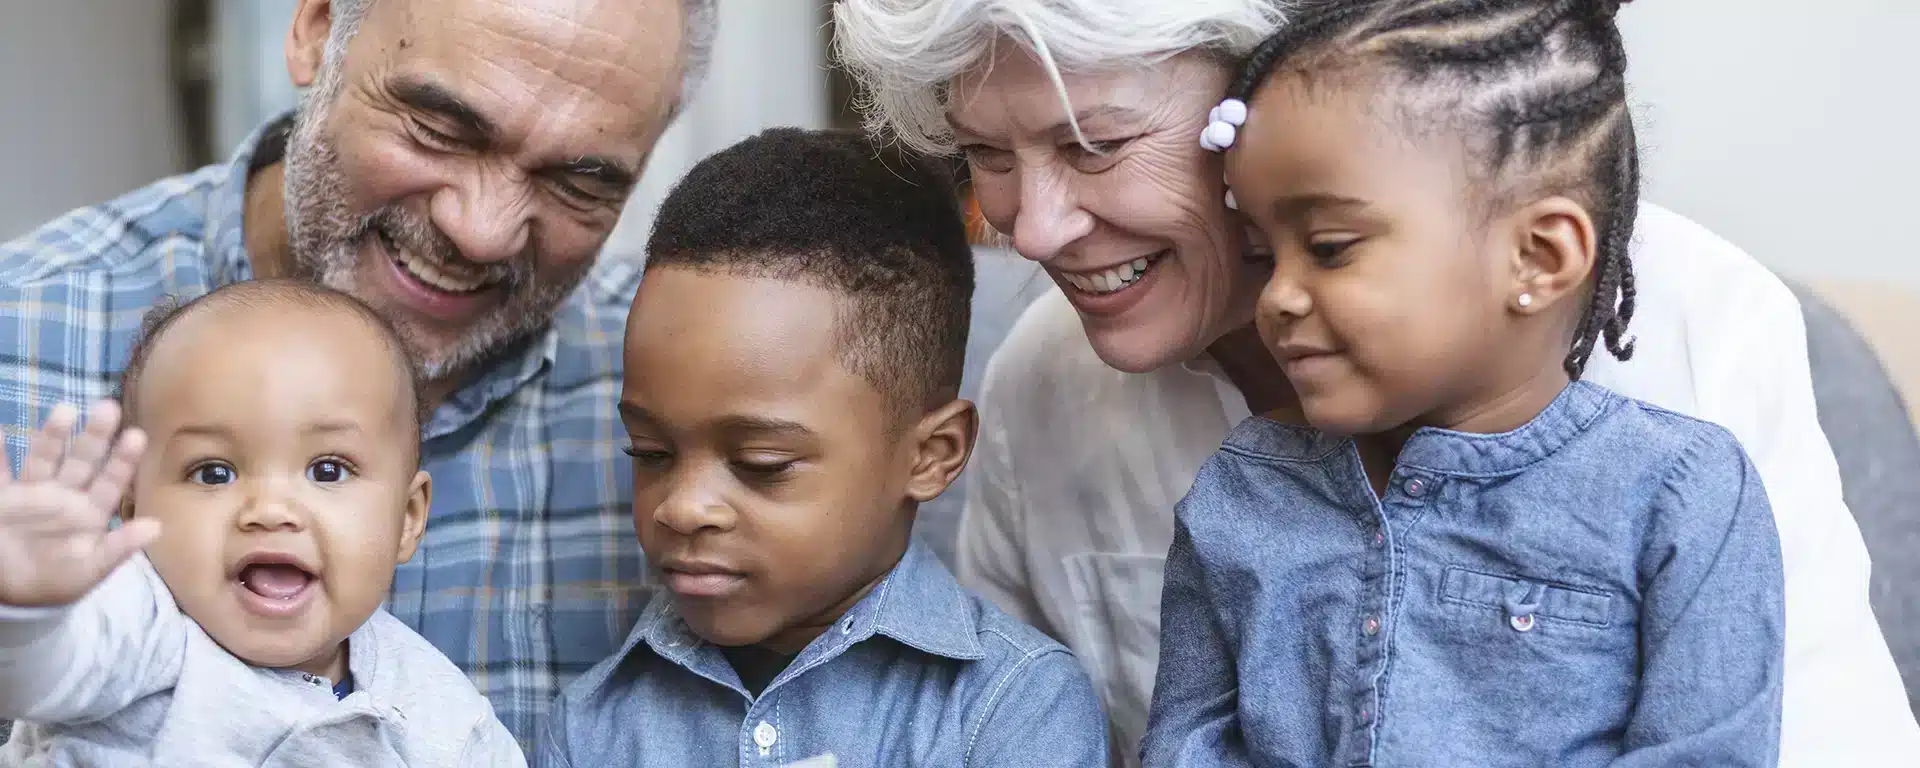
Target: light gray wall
86,107
1790,128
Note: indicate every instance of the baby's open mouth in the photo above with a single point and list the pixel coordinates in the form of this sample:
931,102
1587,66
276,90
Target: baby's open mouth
275,585
276,581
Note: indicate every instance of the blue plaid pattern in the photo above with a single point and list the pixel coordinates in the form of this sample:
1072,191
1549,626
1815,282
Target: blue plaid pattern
529,573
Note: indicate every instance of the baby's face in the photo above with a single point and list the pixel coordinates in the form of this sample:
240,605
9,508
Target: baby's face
281,472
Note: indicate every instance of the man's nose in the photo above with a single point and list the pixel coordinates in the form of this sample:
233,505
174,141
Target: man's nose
488,216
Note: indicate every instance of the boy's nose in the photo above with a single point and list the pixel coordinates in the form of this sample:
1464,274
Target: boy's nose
689,511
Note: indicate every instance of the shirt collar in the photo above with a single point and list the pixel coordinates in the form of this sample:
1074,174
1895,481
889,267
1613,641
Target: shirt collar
1446,451
918,604
226,242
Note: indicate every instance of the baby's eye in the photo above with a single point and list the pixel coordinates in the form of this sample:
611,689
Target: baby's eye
328,471
211,473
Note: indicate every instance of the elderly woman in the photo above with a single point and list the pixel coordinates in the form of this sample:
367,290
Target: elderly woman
1078,119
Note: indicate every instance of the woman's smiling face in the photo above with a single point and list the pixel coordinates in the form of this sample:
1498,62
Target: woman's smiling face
1134,230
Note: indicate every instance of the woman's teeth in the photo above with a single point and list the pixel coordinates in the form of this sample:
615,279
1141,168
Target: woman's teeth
1113,278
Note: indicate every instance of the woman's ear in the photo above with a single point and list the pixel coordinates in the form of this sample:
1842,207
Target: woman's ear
414,524
1557,244
307,40
942,443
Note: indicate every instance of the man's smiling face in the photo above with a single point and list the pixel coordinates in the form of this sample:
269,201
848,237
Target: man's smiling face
459,163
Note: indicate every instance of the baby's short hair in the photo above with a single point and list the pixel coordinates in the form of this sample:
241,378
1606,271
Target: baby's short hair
255,293
831,209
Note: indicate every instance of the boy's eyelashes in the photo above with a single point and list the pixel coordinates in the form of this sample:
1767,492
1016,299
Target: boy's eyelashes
758,466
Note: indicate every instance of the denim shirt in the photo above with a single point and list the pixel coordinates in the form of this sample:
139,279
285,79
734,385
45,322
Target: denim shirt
919,672
1599,587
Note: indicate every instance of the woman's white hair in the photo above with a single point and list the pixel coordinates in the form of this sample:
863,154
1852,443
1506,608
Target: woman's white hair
904,54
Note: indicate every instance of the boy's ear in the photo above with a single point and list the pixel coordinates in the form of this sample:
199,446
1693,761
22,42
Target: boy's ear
1555,248
942,443
414,524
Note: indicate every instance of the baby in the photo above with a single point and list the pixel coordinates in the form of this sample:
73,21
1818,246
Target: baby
792,366
271,449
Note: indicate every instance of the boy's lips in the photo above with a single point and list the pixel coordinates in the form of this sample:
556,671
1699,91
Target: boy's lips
701,578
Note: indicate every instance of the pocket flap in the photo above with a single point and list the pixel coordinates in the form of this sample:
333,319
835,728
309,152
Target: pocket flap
1560,602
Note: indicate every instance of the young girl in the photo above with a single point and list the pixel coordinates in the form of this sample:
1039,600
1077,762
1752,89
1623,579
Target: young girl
1472,558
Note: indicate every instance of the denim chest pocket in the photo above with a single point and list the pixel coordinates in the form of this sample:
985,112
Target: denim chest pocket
1526,605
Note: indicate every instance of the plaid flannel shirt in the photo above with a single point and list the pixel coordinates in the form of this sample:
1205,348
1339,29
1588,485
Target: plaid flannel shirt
529,573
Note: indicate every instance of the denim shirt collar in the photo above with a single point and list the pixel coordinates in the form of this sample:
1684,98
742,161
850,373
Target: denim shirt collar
918,604
226,254
1442,450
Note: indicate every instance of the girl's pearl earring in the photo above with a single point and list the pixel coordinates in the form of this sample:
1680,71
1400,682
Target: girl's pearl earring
1526,300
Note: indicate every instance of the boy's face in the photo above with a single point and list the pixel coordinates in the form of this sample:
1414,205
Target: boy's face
282,476
769,489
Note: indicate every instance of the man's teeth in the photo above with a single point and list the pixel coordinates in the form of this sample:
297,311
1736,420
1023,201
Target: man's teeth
437,276
1113,278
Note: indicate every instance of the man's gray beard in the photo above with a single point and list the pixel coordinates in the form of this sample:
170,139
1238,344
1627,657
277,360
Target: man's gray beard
325,239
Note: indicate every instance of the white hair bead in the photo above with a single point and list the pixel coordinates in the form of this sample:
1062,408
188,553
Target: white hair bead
1233,111
1232,203
1221,134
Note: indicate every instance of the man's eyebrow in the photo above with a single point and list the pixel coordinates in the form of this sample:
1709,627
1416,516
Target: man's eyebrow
605,170
427,96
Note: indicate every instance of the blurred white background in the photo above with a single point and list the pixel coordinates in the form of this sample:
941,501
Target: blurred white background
1788,128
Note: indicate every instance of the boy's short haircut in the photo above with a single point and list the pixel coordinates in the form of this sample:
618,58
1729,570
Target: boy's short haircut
833,210
254,293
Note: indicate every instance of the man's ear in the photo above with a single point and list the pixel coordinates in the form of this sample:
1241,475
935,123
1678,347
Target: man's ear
1554,253
307,41
942,443
414,524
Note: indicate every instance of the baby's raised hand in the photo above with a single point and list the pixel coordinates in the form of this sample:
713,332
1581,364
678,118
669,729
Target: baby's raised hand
54,542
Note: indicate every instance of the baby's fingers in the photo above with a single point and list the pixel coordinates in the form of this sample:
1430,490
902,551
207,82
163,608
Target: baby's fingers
46,447
90,448
122,543
114,478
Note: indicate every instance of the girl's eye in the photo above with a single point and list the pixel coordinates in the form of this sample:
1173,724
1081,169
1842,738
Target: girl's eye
328,471
1329,253
762,471
212,473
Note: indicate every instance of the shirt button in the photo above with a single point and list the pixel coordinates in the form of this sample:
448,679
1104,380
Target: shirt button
765,735
1372,627
1414,487
1379,538
1521,623
1366,717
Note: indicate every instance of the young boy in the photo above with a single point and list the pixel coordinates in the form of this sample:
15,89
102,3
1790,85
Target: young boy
281,486
792,366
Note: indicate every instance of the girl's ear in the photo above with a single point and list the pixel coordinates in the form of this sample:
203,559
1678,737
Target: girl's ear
1557,247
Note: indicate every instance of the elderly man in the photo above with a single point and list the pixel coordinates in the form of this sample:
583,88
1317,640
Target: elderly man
457,164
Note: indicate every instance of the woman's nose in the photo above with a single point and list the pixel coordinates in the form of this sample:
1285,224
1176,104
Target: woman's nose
1050,217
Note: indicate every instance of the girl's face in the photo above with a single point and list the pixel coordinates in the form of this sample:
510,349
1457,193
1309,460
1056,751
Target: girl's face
1390,297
